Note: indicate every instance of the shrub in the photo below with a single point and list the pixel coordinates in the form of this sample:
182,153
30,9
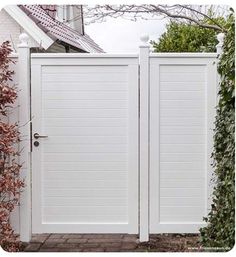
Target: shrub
220,231
10,182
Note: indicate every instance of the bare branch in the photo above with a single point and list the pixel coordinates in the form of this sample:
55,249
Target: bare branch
186,13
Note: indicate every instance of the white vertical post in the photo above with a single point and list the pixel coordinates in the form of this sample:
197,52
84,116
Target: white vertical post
219,47
144,140
24,125
219,50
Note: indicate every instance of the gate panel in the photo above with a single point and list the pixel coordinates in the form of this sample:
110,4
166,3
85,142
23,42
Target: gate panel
182,101
85,174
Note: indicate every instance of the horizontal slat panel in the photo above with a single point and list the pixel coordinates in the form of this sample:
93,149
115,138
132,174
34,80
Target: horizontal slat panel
88,77
181,183
182,68
182,130
86,192
179,121
86,157
78,183
86,113
181,201
86,175
86,122
86,131
182,112
92,218
190,104
84,86
182,157
84,95
181,192
179,174
182,86
182,139
183,76
80,201
183,210
69,148
84,210
182,219
86,166
178,166
182,148
78,69
77,104
181,95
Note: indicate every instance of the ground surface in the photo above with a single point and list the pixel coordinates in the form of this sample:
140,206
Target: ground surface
112,243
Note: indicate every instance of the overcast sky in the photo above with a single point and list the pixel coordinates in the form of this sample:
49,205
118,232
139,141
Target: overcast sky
120,35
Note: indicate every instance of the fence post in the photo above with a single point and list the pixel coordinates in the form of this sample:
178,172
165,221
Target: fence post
219,51
144,140
219,46
24,127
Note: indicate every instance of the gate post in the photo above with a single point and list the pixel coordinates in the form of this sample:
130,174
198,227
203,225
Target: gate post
24,128
144,140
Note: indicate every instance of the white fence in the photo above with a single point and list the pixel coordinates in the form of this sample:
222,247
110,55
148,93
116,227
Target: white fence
128,145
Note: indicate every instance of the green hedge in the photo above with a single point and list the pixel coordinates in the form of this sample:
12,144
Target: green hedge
220,231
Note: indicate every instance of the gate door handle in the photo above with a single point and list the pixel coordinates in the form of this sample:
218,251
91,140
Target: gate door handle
37,136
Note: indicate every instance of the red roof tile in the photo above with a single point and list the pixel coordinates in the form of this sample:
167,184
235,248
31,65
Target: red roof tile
58,30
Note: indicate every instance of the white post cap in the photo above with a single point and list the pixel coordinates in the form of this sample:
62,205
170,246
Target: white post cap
144,39
219,46
24,40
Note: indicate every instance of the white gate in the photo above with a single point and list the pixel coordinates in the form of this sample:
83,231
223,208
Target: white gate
120,143
182,110
85,169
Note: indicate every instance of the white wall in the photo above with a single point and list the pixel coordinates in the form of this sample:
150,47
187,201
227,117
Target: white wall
10,30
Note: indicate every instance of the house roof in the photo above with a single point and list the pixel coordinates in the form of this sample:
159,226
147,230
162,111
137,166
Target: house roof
57,30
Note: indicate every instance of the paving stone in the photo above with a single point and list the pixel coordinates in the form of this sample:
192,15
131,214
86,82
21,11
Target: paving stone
75,250
70,250
113,249
104,240
112,236
56,236
48,250
72,236
33,247
67,246
95,250
48,245
39,238
77,240
130,238
91,236
89,245
56,240
127,246
109,245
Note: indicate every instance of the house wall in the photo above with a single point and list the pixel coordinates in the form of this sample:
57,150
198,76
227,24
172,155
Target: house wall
10,30
13,32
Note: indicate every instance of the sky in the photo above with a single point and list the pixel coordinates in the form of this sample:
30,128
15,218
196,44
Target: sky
118,35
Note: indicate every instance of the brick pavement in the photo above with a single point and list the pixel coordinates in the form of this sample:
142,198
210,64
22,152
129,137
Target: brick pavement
83,243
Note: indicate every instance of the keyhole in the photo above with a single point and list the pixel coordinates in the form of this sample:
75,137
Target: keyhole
36,143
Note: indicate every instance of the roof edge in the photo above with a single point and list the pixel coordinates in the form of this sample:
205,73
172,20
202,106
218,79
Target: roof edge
29,26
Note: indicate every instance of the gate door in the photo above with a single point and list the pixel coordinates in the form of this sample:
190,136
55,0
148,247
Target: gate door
182,107
85,143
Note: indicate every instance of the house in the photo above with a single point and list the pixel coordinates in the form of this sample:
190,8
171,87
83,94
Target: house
51,28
